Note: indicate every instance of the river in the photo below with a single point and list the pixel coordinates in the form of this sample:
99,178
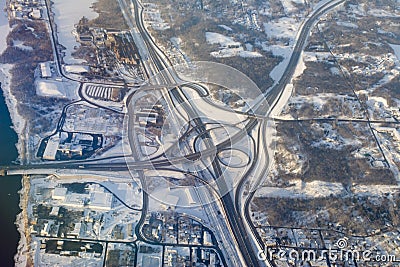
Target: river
10,185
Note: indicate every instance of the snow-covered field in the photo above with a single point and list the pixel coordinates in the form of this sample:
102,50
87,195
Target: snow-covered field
347,24
382,13
321,103
228,47
152,17
362,10
279,50
20,44
64,89
301,189
289,6
375,190
320,189
222,40
396,49
67,14
286,30
282,28
225,27
77,69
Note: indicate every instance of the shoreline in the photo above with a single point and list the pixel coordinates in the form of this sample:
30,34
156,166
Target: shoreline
22,258
19,126
18,121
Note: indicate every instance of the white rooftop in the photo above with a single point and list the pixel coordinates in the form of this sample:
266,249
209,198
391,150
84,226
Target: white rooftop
51,148
59,193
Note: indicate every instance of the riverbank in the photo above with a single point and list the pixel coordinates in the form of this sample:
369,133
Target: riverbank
9,190
23,258
18,121
18,124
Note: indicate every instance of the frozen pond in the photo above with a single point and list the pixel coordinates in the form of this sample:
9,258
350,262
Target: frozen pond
67,14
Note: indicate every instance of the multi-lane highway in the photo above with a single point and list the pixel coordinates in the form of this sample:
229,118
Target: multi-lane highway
232,207
176,95
273,96
235,223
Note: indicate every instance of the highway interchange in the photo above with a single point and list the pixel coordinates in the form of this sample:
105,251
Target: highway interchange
236,211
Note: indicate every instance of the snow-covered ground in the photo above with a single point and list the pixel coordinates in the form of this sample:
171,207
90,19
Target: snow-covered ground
125,190
20,44
222,40
152,17
17,120
363,10
49,89
225,27
184,199
382,13
12,103
228,47
319,102
4,26
375,190
283,28
286,30
76,69
358,10
396,49
67,14
282,51
332,139
287,93
204,109
177,43
264,9
57,89
347,24
289,6
5,79
320,189
299,189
